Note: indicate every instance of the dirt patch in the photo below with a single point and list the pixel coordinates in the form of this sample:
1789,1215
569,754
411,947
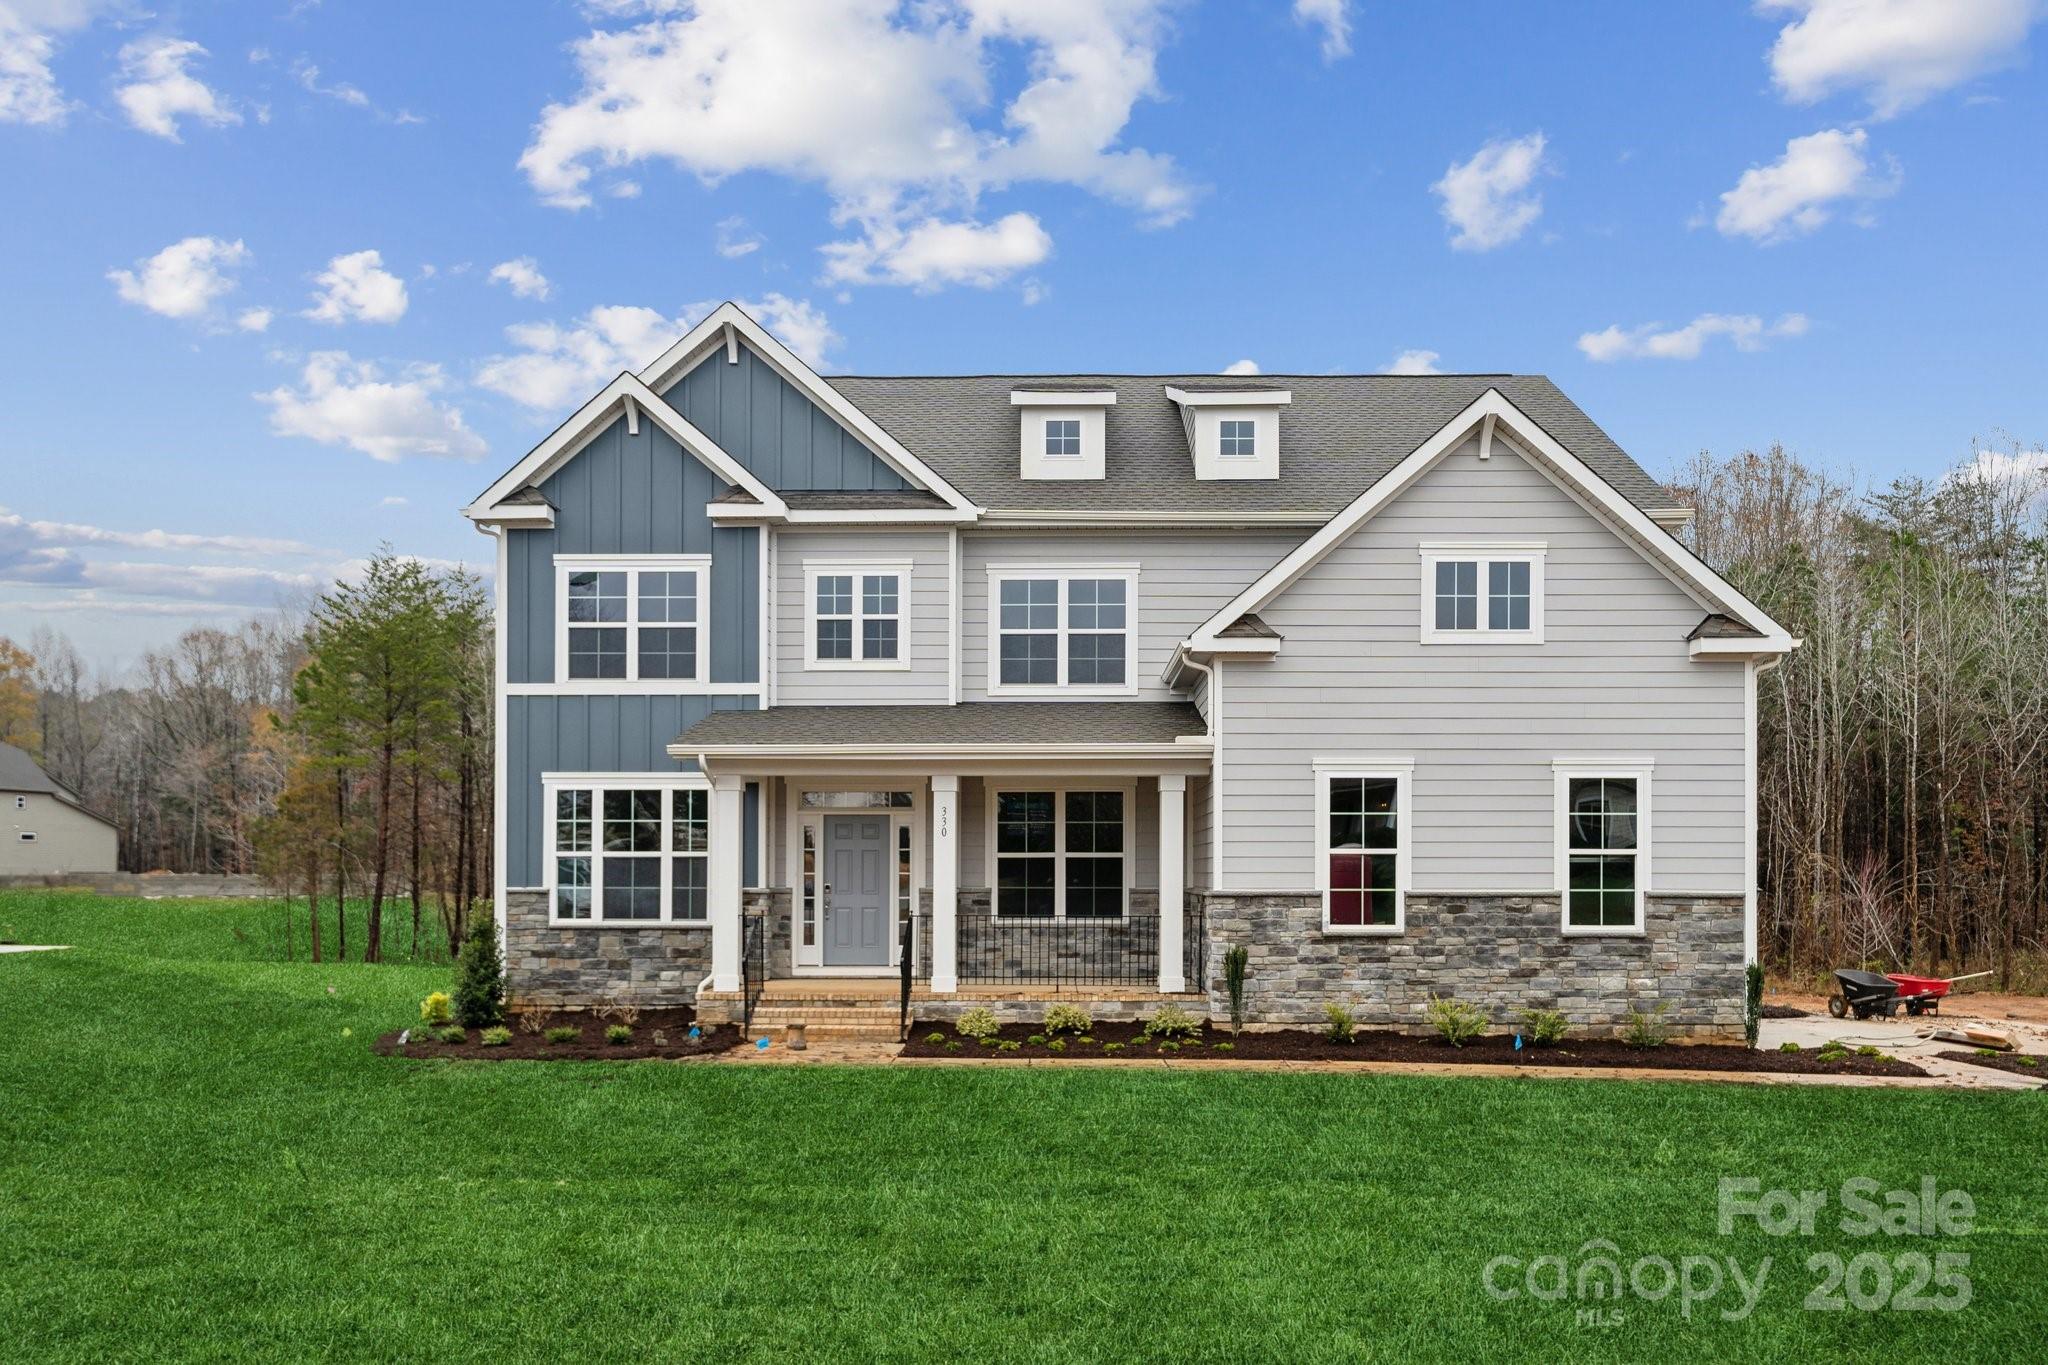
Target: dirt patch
1783,1012
1124,1042
2018,1063
1990,1006
663,1033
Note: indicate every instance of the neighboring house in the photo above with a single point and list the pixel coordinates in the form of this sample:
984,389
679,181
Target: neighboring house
43,828
1069,683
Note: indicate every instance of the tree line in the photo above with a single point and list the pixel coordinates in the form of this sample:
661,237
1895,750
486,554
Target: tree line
343,751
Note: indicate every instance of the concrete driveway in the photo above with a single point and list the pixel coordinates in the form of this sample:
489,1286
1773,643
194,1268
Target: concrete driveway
1901,1037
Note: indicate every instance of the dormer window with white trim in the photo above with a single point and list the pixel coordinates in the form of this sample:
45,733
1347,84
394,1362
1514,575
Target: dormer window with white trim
1232,433
1062,432
1482,593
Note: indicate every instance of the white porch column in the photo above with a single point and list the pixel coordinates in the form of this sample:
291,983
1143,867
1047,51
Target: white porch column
728,842
946,883
1173,790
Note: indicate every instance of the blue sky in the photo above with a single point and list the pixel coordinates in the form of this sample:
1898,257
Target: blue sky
1715,225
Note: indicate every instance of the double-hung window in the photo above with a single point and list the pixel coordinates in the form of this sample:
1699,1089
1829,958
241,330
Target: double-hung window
1363,823
1603,845
637,853
856,615
1060,854
1064,629
625,620
1482,593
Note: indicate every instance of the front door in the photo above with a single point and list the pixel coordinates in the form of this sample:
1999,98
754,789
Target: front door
856,891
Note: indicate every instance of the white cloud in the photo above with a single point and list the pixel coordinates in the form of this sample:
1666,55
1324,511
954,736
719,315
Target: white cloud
1245,366
16,530
892,108
1414,362
394,501
158,89
735,240
1653,341
2017,467
560,365
1798,192
46,554
1896,52
1334,18
29,30
308,76
254,319
522,276
1488,198
184,279
357,288
932,254
342,401
1033,292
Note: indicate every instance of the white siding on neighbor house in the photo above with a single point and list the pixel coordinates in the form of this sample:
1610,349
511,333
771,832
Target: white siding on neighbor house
923,602
66,838
1483,722
1183,577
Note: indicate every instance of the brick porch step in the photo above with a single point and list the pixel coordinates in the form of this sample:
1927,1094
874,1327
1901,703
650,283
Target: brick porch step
825,1020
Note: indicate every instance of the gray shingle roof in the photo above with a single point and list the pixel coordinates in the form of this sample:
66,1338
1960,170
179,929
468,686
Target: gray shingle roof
20,773
1053,723
1716,626
1339,436
1250,626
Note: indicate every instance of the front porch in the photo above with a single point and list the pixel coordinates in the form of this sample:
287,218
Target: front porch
989,868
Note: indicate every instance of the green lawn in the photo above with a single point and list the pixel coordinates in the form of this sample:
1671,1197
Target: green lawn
200,1157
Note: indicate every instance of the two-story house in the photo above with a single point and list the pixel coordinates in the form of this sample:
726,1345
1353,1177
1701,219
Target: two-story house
1050,684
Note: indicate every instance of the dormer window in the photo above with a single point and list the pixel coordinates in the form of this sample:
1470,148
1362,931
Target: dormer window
1233,433
1062,432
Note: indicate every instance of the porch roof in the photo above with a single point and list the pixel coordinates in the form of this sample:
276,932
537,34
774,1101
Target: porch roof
1158,733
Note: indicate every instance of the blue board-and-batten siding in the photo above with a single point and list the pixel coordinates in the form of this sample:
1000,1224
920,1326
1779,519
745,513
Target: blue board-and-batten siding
767,424
568,734
634,494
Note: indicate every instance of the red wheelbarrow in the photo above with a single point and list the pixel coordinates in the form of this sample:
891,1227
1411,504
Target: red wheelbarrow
1863,992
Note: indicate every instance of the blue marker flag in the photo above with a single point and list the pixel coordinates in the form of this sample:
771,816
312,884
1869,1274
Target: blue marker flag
1518,1042
696,1032
763,1045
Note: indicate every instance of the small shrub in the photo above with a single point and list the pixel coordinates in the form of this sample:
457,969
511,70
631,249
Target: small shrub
1646,1028
1068,1019
618,1034
1171,1021
480,976
1234,961
1546,1028
1112,1047
1456,1022
1009,1045
563,1033
2028,1061
952,1044
986,1042
935,1038
534,1021
1868,1050
1987,1052
978,1023
1056,1045
1086,1040
1752,1002
1223,1047
453,1033
1340,1025
1834,1050
435,1009
496,1036
1788,1046
1036,1040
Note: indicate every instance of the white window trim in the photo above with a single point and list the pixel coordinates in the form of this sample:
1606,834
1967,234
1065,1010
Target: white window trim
633,566
1485,552
1059,792
597,784
1401,771
1065,574
1251,422
857,569
1080,451
1564,772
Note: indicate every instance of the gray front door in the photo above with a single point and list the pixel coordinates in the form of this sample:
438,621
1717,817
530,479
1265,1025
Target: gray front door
856,891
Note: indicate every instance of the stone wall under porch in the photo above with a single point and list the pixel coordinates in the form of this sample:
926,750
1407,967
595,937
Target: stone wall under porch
576,967
1502,954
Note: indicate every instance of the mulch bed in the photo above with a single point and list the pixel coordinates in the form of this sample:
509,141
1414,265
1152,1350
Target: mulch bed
663,1033
2018,1063
1784,1012
1302,1045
